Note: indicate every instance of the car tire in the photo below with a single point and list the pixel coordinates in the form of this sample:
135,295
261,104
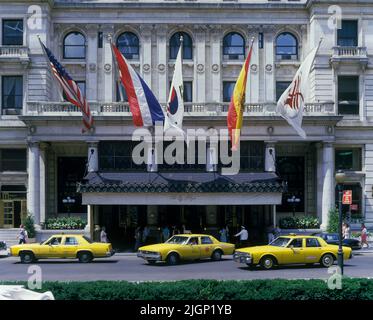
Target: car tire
327,260
85,257
27,257
173,259
216,255
267,262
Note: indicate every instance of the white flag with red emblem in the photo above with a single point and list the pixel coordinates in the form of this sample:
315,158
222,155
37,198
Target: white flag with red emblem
291,103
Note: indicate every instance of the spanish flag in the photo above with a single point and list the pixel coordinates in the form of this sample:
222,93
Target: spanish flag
236,106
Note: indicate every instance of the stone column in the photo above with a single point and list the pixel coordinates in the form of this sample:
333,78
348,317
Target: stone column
93,156
253,82
270,157
319,179
162,63
216,85
92,63
33,191
269,64
43,181
146,57
108,84
328,188
200,62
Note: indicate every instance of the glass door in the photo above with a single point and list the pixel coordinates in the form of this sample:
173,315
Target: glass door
8,214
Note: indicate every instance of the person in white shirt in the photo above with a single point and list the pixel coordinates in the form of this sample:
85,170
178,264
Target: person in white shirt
244,235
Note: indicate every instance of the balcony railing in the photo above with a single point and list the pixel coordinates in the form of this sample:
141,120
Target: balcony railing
14,53
191,109
349,54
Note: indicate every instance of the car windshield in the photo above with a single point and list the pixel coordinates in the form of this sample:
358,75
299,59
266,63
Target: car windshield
280,242
178,240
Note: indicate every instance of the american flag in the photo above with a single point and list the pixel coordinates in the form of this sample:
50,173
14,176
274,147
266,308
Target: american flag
70,88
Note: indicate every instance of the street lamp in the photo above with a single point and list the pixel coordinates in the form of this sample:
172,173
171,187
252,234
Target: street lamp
68,201
293,200
340,177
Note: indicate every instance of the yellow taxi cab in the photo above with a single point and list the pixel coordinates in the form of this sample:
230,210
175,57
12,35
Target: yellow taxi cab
185,247
65,246
291,249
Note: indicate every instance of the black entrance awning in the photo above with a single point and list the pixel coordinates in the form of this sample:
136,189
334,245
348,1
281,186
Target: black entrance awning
180,182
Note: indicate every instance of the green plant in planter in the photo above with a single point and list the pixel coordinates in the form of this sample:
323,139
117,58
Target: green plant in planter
65,223
29,226
300,222
333,222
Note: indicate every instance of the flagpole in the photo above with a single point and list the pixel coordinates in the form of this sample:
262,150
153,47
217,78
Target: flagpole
49,66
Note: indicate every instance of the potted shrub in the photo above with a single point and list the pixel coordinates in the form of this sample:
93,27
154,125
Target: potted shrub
30,228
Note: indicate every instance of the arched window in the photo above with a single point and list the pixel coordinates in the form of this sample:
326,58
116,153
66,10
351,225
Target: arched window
286,47
233,46
187,45
74,46
129,45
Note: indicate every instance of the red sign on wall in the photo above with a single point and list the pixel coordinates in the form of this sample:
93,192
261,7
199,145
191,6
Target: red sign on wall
347,197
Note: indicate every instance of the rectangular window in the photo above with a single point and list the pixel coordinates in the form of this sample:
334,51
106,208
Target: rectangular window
121,94
100,40
348,159
261,40
82,87
13,160
228,87
281,86
251,156
117,156
348,95
12,32
12,92
187,91
347,35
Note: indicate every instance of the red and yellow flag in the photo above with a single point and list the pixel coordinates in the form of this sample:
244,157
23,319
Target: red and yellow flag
236,106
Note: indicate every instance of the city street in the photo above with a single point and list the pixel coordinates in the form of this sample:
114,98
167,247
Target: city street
129,267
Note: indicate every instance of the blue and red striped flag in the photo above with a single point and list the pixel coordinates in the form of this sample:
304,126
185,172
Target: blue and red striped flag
144,106
70,88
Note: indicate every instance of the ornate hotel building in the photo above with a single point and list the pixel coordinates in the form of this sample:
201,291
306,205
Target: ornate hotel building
50,169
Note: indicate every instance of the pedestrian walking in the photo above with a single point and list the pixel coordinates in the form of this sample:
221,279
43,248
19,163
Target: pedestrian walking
347,231
243,236
165,233
145,234
270,233
364,236
103,235
22,234
138,238
223,235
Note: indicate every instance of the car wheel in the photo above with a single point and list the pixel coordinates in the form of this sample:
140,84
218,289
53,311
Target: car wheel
327,260
267,262
85,257
216,255
27,257
173,259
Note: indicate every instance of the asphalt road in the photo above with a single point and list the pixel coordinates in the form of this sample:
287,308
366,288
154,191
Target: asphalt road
131,268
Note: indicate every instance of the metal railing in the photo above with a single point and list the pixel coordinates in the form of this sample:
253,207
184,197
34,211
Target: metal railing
191,109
